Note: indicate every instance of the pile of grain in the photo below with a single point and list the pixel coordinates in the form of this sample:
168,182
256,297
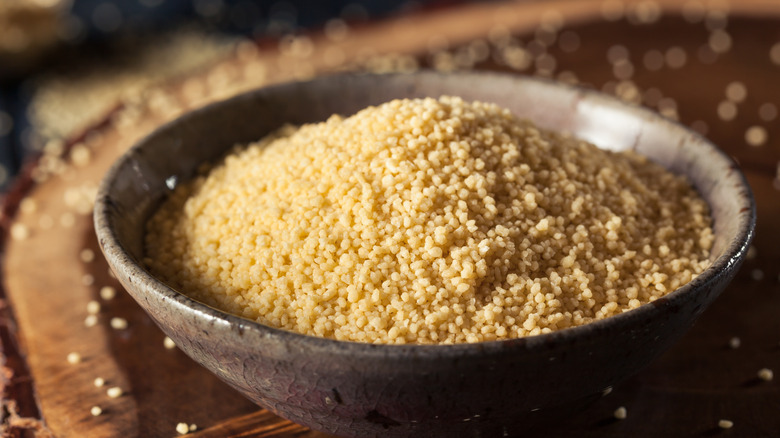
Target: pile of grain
429,221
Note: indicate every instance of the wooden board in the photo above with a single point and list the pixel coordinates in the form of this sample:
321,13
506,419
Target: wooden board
686,392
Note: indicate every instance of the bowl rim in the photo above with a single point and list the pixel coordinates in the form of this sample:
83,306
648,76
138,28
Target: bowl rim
733,254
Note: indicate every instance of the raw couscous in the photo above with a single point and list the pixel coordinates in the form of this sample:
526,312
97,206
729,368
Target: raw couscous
429,221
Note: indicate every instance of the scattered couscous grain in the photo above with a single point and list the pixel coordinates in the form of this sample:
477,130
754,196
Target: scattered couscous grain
725,424
767,112
87,255
107,293
87,279
429,221
182,428
118,323
734,343
736,91
93,307
676,57
168,343
621,413
774,53
90,321
765,374
193,427
95,411
607,391
727,110
114,392
80,155
99,382
19,231
756,136
720,41
28,206
74,358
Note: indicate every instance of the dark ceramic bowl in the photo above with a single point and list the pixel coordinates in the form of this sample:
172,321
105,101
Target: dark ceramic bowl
354,389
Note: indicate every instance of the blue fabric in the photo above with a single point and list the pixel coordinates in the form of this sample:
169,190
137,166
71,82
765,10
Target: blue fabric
239,16
10,148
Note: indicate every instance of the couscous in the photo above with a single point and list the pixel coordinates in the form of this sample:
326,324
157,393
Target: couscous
429,221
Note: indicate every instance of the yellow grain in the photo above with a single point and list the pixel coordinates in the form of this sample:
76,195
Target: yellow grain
429,221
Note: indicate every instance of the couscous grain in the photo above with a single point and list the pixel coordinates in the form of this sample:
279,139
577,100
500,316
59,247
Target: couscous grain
91,320
87,279
118,323
19,231
114,392
765,374
107,293
182,428
73,358
429,221
725,424
87,255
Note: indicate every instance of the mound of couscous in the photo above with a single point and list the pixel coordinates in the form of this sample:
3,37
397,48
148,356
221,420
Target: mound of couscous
429,221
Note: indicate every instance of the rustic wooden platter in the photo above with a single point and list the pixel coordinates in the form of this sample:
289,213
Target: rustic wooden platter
679,58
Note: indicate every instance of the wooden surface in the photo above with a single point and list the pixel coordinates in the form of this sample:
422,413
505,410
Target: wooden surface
684,393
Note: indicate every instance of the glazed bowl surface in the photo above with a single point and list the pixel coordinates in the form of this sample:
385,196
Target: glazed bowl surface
501,388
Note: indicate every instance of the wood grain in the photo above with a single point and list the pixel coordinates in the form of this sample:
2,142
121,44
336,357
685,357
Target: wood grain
684,393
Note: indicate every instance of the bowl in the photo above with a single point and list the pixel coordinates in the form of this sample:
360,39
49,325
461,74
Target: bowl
495,388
